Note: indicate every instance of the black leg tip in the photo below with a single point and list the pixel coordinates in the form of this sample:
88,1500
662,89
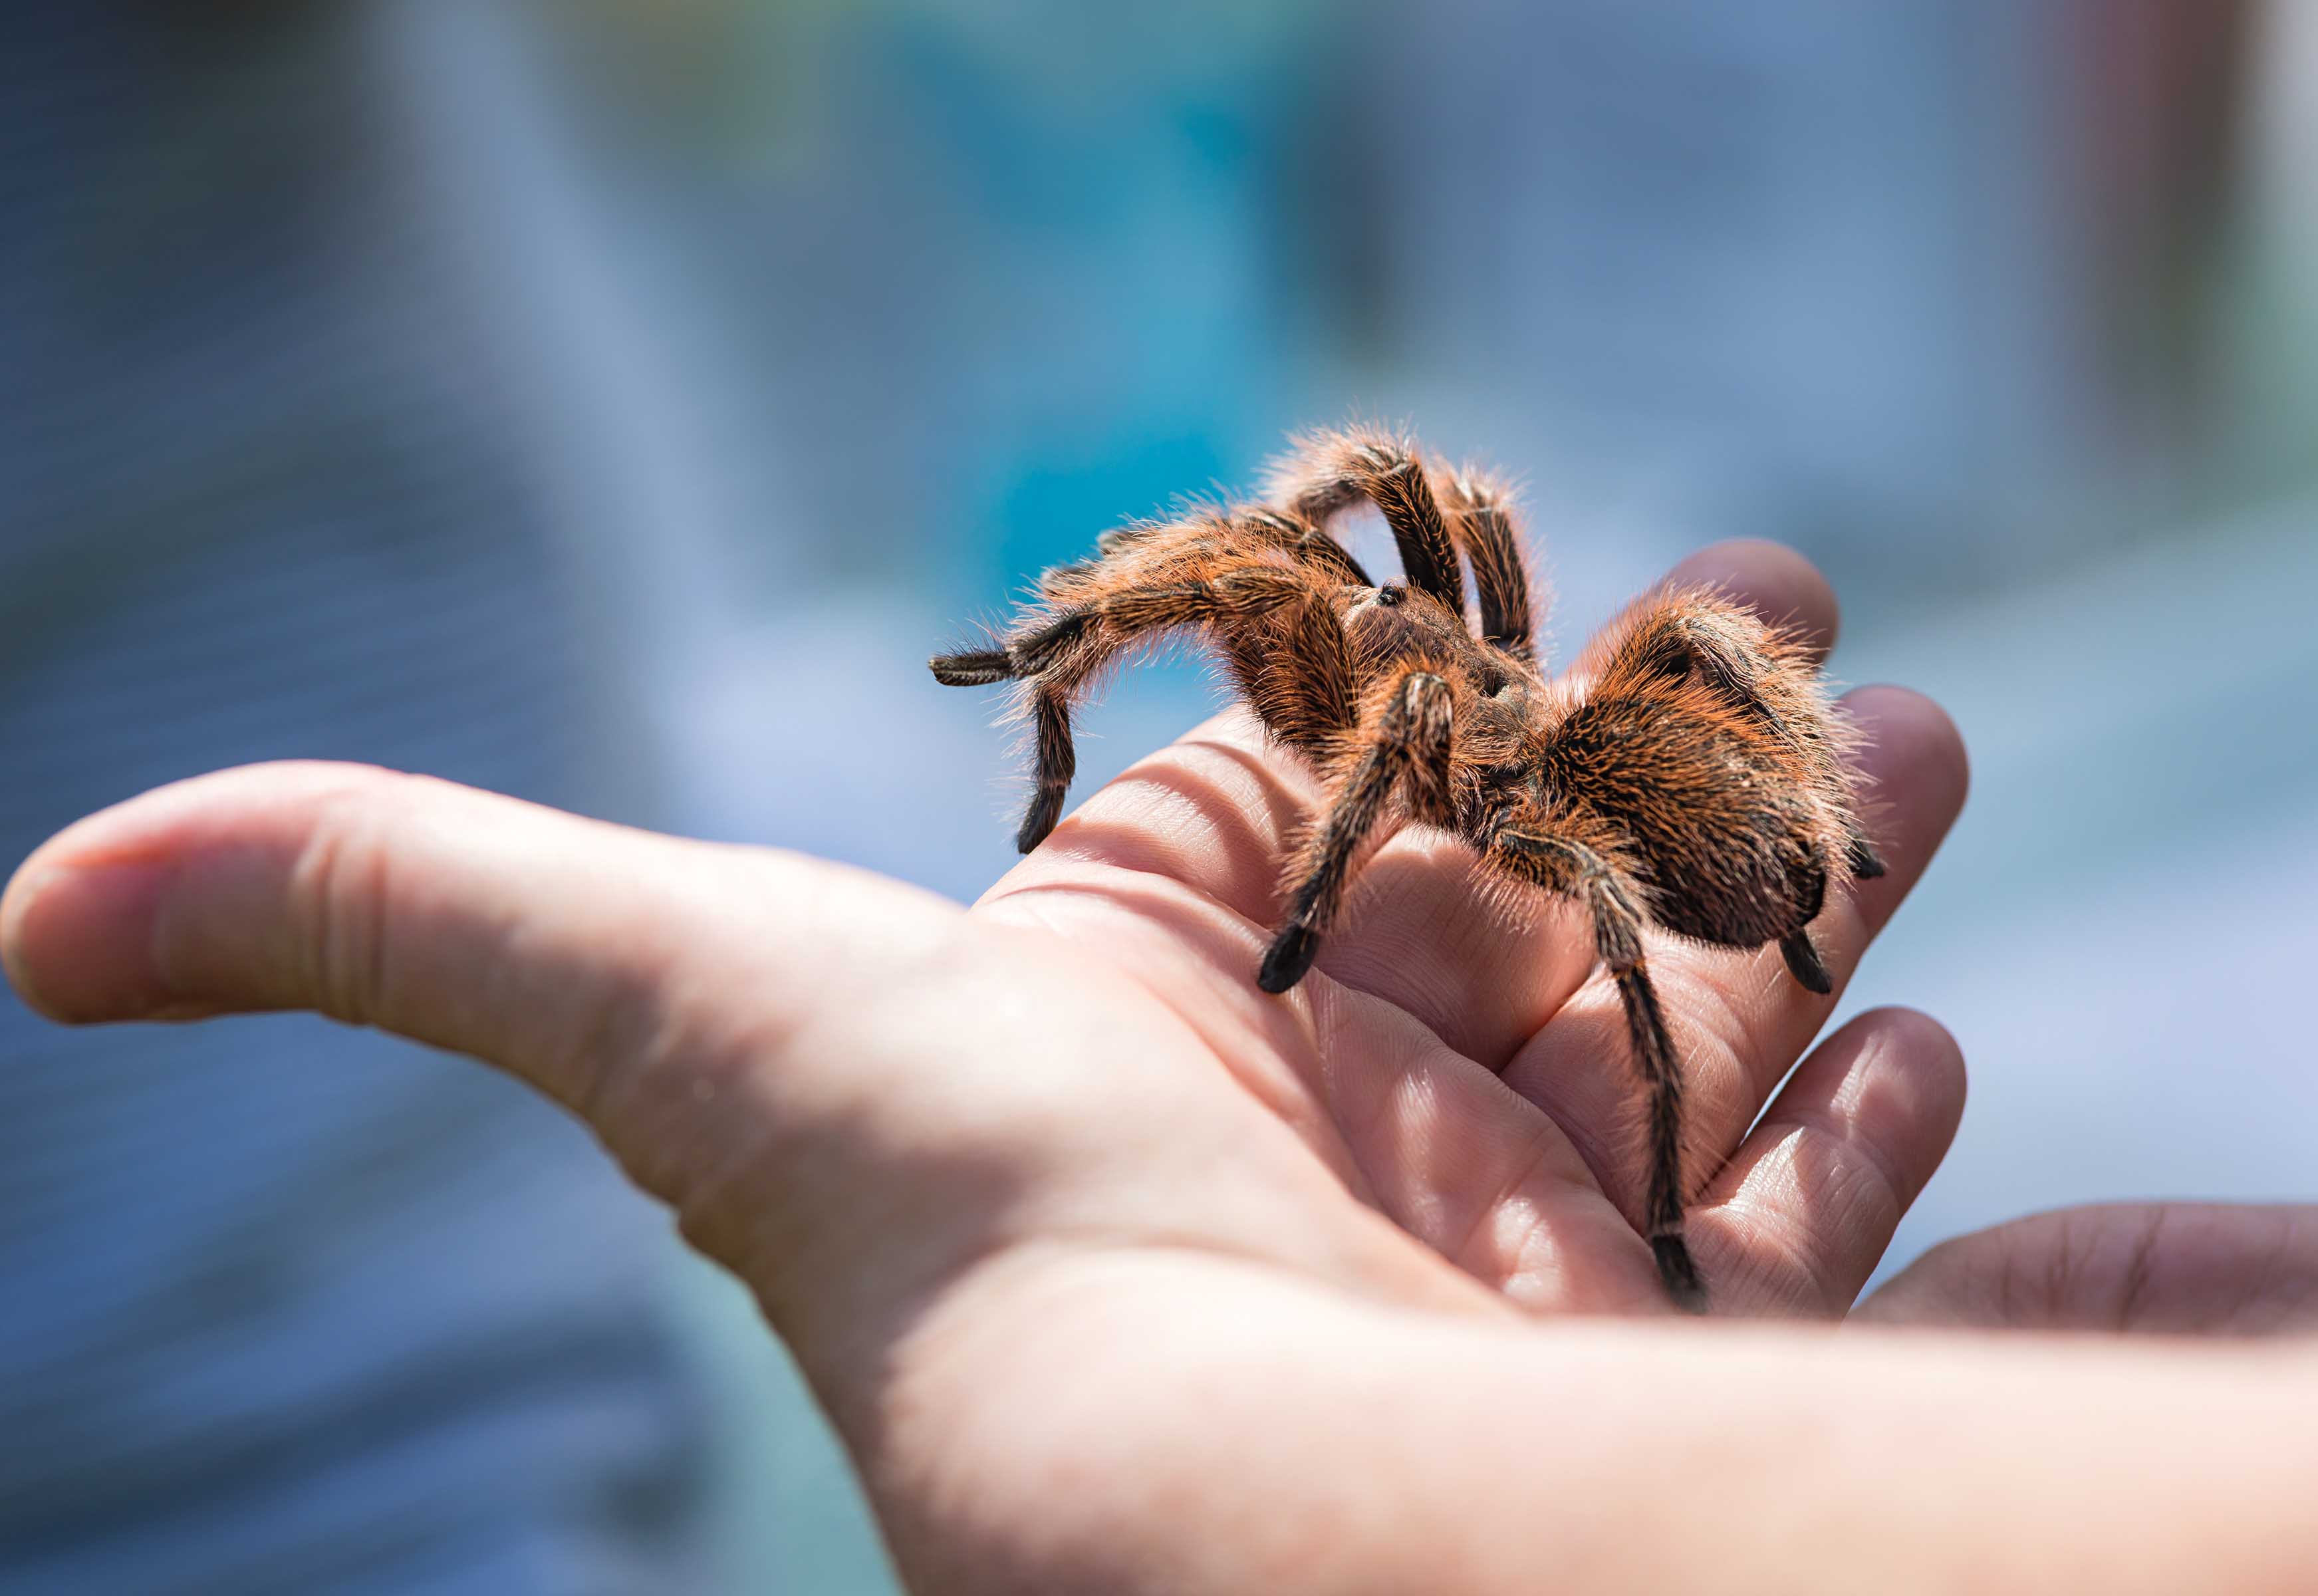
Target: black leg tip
1287,959
1679,1274
1039,821
1804,963
1866,864
972,670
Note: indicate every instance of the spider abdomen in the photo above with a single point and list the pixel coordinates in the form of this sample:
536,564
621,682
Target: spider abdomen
1741,896
1725,848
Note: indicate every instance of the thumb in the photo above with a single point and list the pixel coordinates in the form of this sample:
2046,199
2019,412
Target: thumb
851,1094
657,988
2148,1268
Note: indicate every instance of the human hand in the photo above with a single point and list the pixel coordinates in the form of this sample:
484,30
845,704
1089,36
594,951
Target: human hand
1532,1190
2145,1268
986,1171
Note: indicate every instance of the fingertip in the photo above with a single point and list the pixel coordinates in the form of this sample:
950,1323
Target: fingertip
1925,725
1914,1026
1889,1087
1805,1209
16,903
78,922
1914,758
1917,1062
78,941
1777,582
74,917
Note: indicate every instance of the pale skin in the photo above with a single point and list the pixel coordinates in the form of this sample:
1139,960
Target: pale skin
1117,1274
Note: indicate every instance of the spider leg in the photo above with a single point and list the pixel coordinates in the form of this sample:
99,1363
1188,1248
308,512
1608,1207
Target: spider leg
1293,669
1307,542
1483,526
974,667
1333,470
1057,762
1803,962
1304,542
1755,669
1570,868
1409,736
1796,947
1860,854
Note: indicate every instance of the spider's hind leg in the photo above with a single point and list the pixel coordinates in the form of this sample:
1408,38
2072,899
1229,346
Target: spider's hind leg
1570,868
1803,962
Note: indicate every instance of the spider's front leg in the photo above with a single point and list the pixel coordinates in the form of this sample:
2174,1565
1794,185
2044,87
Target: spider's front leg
1407,736
1056,653
1538,853
1331,470
1481,522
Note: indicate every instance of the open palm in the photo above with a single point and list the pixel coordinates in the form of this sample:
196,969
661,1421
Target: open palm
970,1160
1449,1065
1116,1274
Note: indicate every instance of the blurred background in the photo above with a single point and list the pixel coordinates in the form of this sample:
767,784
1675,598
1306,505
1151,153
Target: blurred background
615,402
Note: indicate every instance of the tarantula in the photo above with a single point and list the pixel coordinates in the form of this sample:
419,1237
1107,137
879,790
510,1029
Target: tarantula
1695,781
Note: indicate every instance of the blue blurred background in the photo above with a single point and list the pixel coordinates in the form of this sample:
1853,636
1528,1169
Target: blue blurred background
672,376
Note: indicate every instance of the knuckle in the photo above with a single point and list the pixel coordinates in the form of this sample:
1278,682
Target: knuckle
339,892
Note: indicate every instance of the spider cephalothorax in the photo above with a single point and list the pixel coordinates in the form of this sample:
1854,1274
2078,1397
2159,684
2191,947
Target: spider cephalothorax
1690,777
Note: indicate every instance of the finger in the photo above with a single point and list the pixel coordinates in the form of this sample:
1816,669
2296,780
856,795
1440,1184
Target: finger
1740,1020
749,1030
2152,1268
1217,812
1774,581
582,957
382,899
1798,1219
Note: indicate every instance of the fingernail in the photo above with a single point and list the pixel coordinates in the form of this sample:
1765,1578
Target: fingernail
78,941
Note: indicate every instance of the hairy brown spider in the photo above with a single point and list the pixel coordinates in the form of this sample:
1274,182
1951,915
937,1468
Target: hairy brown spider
1694,782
